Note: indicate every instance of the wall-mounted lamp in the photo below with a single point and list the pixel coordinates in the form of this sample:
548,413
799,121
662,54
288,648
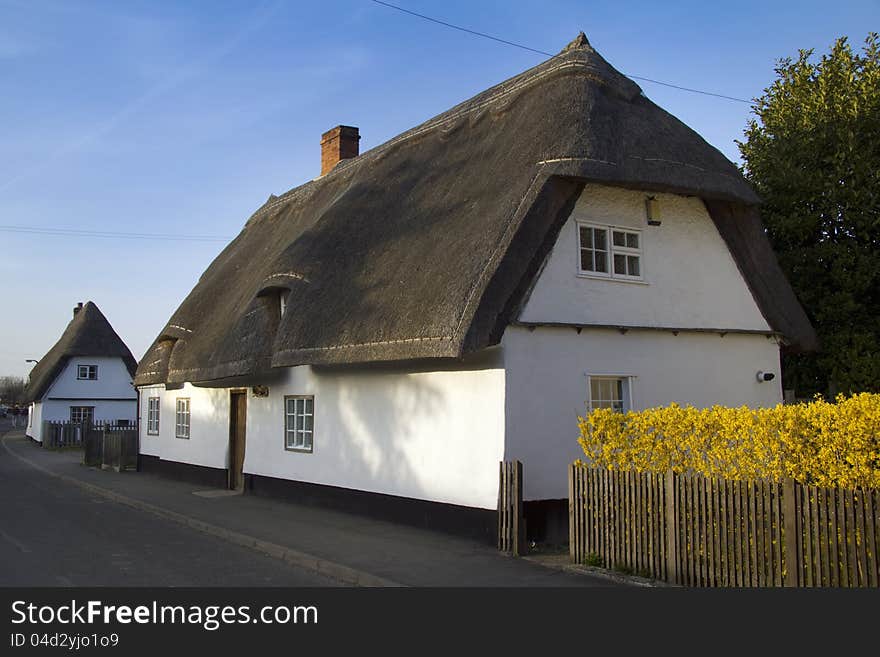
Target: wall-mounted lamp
31,360
765,376
652,210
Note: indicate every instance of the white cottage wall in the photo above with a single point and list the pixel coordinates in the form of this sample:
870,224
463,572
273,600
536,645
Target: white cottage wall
35,422
428,435
113,382
547,385
436,435
690,278
208,444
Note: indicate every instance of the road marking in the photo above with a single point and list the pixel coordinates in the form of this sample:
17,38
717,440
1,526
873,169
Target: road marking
18,544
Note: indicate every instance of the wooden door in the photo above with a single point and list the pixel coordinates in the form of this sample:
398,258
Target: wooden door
237,422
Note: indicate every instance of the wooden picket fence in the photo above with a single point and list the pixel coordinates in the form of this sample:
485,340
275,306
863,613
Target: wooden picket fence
111,446
511,525
57,435
701,531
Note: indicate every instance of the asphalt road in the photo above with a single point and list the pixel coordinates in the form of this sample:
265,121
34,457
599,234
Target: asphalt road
55,534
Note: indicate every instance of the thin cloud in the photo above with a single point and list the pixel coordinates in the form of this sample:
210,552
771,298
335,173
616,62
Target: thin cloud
184,74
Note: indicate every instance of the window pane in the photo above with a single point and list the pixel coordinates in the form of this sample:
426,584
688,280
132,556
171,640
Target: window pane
290,406
299,421
618,238
308,423
618,392
595,389
619,264
599,237
307,441
586,237
601,262
586,260
309,403
632,240
633,265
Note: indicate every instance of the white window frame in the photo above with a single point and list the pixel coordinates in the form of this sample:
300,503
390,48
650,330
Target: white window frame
611,251
89,370
153,406
303,439
627,390
182,418
91,413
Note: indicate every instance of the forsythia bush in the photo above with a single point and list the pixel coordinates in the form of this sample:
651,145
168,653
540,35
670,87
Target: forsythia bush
821,443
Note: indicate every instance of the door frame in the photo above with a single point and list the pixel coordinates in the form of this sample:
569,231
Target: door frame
233,416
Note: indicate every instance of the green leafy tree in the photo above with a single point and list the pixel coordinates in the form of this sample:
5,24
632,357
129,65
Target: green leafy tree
813,155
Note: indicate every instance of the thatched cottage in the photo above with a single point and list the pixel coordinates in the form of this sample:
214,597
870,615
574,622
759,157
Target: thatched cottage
388,332
86,376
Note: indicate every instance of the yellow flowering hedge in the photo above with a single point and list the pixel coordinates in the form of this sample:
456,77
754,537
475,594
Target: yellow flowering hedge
821,443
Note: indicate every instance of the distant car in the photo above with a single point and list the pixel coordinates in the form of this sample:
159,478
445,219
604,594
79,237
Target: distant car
3,411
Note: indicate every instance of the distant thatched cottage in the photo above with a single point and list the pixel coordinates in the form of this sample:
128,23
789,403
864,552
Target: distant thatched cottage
458,295
86,376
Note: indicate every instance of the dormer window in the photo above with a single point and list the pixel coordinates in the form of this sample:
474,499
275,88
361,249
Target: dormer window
282,303
610,252
87,372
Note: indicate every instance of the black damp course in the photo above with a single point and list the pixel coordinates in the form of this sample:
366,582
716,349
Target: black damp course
468,522
425,246
88,334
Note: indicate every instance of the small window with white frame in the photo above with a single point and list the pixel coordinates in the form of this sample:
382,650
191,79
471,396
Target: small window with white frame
614,392
610,252
153,416
299,423
87,372
182,418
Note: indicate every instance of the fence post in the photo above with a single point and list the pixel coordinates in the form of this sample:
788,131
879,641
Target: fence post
519,529
671,528
572,530
511,528
791,537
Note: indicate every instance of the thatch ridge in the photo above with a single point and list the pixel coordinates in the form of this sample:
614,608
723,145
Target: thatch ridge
88,334
418,247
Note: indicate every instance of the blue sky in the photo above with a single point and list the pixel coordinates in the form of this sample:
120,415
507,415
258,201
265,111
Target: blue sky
181,118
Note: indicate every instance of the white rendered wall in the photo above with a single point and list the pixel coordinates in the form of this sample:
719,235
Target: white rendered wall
434,436
35,422
113,382
691,280
547,388
208,444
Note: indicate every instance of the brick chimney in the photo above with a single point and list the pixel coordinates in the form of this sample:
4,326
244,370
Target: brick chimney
340,143
79,307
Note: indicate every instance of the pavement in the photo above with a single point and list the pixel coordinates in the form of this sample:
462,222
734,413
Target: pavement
346,548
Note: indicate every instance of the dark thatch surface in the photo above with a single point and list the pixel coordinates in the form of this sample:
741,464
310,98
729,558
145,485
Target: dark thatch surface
423,246
88,334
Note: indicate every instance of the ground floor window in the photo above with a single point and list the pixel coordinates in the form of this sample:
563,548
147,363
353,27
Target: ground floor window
612,392
80,414
181,429
153,416
299,416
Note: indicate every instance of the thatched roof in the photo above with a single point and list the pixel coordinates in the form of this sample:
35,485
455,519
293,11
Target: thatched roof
88,334
422,247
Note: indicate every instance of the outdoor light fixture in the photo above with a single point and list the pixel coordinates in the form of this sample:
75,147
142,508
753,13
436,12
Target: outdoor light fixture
652,210
765,376
31,360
